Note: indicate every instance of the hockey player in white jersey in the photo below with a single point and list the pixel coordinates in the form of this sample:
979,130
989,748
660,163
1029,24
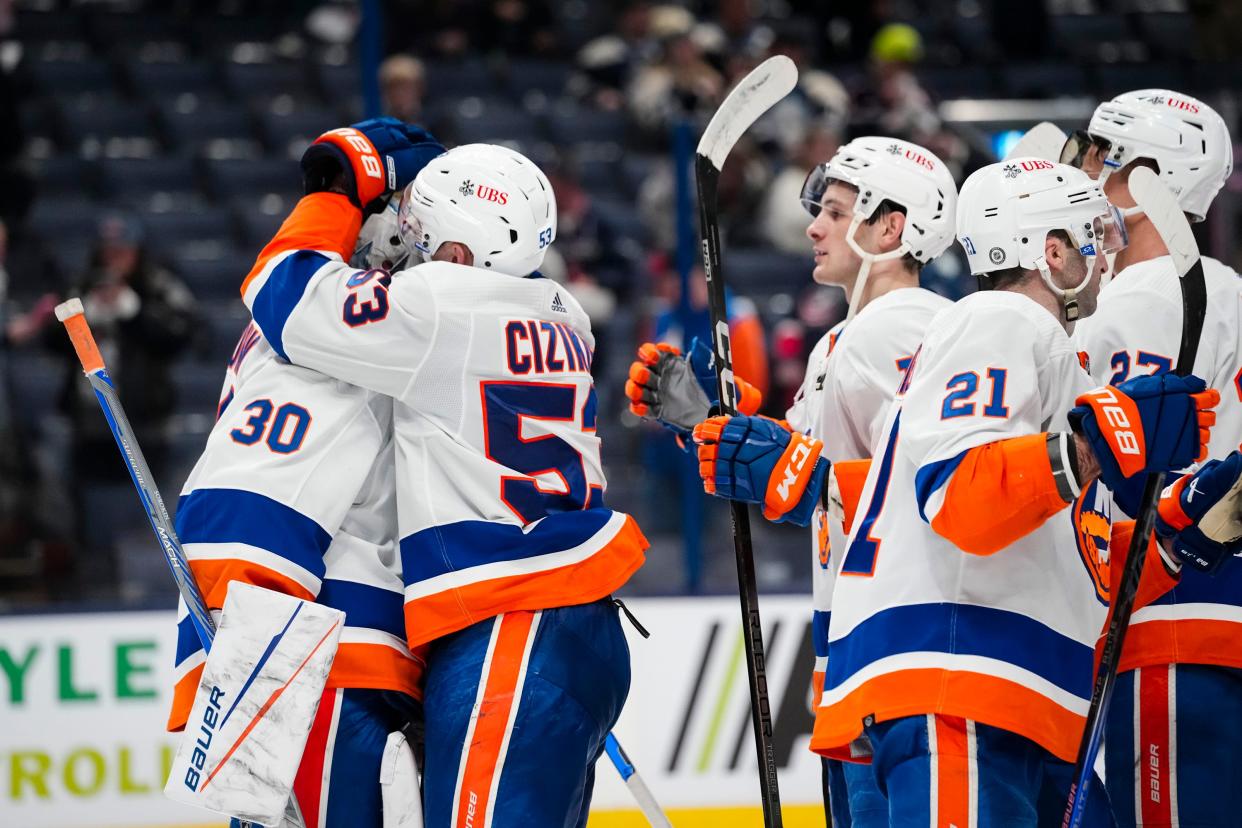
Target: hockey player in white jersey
977,573
259,508
881,208
508,553
1177,712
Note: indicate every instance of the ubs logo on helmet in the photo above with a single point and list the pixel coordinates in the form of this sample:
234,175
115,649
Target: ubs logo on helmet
920,159
1184,106
492,194
911,155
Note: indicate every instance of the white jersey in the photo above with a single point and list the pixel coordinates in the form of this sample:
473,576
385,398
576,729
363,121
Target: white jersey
1137,331
1004,633
499,482
850,381
295,492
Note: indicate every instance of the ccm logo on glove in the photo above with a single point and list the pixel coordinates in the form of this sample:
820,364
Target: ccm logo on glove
801,452
366,151
1120,413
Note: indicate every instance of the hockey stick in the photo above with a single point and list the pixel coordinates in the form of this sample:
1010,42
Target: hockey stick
638,788
1044,140
755,94
1170,222
71,314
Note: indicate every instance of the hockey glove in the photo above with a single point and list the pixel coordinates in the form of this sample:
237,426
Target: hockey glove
1202,514
758,460
678,391
377,157
1147,424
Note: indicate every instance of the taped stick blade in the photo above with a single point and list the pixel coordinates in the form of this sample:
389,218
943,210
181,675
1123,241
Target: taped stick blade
754,95
1161,207
1044,140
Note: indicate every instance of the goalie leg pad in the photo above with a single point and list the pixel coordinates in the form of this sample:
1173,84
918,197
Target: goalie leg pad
259,691
399,786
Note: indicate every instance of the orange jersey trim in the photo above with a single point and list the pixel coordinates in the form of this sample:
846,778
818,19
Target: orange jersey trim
1182,641
999,492
851,477
994,701
213,577
183,699
321,221
439,614
361,666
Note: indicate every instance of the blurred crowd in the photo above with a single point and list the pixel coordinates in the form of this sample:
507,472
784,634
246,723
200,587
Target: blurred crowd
635,75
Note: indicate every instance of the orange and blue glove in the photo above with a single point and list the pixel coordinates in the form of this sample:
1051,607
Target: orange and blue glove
680,391
377,157
759,460
1201,514
1146,424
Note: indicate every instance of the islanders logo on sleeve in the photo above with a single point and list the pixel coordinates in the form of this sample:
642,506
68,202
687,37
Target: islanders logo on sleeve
1093,525
823,547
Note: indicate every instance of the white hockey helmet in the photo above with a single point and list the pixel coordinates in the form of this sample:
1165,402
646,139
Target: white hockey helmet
1006,210
1186,138
889,169
379,244
489,198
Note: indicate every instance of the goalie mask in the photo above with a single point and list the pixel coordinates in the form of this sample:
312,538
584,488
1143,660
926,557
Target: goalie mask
904,174
1007,210
380,246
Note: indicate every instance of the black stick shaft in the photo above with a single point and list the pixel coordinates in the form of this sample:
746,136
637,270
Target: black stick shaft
706,177
1194,306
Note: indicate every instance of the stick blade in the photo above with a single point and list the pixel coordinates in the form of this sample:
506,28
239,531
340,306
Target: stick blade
1161,207
1044,140
754,95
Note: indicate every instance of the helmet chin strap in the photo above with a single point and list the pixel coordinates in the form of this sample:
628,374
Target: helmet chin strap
860,281
1068,296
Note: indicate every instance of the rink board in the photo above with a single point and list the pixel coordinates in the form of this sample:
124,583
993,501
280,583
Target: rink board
84,696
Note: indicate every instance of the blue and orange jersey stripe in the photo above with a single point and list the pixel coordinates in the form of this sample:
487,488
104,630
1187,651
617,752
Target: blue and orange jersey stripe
460,574
988,497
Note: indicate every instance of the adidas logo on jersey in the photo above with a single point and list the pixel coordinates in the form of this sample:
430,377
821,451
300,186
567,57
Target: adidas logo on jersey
557,304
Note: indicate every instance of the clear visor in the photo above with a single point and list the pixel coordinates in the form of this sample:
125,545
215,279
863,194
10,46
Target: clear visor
817,183
1105,233
1080,143
812,195
411,227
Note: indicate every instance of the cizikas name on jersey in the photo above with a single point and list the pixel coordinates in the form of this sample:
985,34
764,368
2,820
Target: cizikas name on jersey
534,346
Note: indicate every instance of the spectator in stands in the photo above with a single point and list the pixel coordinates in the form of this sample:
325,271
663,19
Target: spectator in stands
143,317
782,217
682,81
403,84
893,102
607,64
742,183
